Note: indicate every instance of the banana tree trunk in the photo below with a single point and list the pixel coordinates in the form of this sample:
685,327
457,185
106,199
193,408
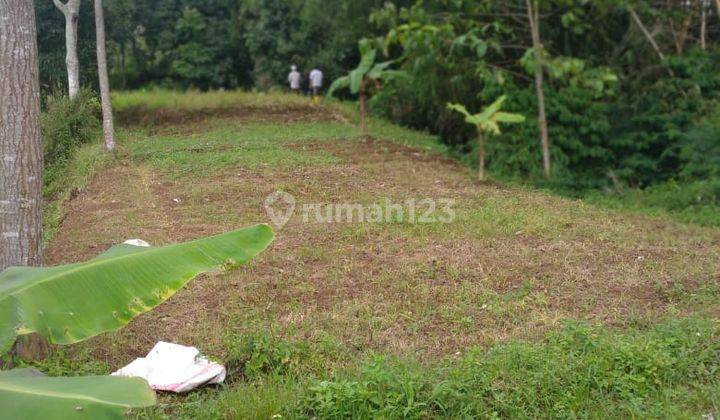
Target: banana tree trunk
71,11
481,155
108,129
363,109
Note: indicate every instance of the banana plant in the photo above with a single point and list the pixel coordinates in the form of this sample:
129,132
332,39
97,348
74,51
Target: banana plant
70,303
27,393
487,122
367,74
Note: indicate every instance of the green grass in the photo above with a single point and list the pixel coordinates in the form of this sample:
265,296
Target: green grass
581,371
252,147
662,200
152,100
59,363
383,129
689,202
62,178
264,398
194,100
527,306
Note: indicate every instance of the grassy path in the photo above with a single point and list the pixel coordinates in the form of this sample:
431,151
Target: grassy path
514,265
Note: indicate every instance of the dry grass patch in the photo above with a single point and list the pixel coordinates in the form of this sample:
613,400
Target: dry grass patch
515,263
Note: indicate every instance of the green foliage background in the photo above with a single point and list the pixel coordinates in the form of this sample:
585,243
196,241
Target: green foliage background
619,118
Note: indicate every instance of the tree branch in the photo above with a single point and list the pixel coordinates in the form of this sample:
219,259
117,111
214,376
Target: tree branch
647,33
649,37
61,6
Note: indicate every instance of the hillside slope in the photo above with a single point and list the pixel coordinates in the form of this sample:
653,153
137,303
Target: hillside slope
514,264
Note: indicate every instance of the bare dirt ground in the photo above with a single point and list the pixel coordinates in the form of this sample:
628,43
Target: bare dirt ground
513,264
162,118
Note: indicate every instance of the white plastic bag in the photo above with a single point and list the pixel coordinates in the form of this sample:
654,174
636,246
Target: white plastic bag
175,368
136,242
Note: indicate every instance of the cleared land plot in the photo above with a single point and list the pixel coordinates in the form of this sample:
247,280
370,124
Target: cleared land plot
514,264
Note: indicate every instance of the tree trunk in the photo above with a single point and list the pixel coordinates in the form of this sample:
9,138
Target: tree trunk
481,155
123,67
534,20
20,142
108,130
71,10
717,6
21,148
363,109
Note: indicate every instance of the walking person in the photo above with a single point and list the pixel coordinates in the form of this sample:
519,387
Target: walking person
294,79
316,81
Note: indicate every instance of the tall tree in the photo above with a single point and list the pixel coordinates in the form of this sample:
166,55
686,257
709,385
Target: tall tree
21,150
703,24
533,14
20,142
108,129
71,10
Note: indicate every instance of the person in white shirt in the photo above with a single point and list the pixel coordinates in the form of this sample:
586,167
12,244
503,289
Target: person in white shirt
316,80
294,79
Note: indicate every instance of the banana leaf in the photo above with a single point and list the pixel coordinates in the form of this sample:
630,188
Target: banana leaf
488,119
339,83
469,118
506,117
377,70
26,394
491,109
356,76
70,303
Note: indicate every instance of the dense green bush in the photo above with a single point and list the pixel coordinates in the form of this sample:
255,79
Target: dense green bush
653,123
68,123
700,149
579,129
616,119
648,142
210,44
198,59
